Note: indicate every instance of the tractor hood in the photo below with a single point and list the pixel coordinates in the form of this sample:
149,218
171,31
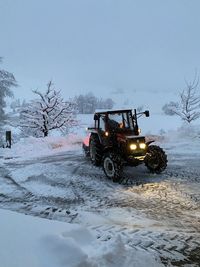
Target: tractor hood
129,139
135,137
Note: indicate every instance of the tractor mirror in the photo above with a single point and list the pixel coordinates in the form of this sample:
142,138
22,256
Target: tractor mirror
146,113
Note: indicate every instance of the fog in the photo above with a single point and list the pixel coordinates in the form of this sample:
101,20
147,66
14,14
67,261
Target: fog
108,47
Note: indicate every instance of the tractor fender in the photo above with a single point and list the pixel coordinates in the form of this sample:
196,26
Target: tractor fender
86,141
95,133
149,142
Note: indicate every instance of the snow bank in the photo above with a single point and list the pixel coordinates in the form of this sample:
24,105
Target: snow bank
183,140
35,147
34,242
165,130
186,132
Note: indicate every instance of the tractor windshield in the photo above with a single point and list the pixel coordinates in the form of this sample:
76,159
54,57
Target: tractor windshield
121,120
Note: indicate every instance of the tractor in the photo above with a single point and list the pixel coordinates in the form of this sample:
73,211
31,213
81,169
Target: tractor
115,142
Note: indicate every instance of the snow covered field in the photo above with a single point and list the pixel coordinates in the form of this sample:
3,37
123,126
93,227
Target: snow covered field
146,218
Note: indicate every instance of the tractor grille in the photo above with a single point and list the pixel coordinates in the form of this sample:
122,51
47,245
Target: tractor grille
136,146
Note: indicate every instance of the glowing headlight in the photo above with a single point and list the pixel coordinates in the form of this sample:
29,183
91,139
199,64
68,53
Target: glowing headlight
133,147
142,145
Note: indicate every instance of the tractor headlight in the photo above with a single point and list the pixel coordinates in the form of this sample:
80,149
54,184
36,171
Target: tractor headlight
142,145
133,147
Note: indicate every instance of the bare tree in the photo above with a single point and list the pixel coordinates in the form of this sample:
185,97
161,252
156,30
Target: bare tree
48,112
188,106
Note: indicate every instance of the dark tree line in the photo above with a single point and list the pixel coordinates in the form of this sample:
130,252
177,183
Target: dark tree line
88,103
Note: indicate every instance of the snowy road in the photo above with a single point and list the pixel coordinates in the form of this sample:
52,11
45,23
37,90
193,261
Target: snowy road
157,213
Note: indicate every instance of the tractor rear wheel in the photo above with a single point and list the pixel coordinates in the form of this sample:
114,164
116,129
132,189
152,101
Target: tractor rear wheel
95,150
156,159
112,166
86,150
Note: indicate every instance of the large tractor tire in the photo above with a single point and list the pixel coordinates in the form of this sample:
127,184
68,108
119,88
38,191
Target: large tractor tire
156,159
112,166
95,150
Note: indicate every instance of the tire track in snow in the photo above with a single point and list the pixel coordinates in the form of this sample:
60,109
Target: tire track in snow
164,199
169,246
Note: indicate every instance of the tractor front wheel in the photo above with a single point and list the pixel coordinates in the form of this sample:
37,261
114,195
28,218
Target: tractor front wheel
156,159
112,166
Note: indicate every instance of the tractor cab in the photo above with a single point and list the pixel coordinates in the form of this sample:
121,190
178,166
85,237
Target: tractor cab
118,121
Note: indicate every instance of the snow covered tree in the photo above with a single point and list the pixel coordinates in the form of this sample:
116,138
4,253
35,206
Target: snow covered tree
15,105
46,113
7,81
188,107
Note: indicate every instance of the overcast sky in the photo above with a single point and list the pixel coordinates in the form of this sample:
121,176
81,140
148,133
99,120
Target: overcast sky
101,46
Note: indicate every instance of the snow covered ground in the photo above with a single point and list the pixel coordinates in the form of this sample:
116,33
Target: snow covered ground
28,241
145,218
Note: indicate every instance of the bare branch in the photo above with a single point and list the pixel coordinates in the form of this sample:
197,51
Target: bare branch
188,108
